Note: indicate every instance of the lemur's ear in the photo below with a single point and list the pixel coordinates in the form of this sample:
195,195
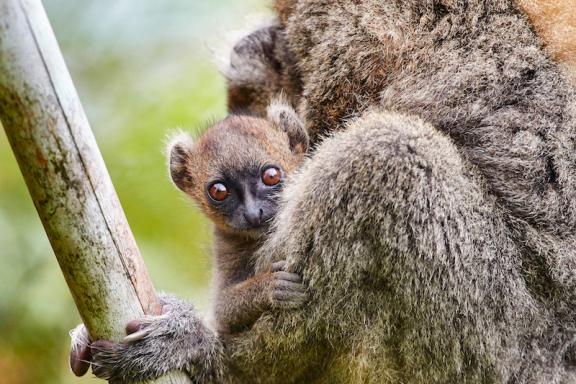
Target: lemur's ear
285,117
179,152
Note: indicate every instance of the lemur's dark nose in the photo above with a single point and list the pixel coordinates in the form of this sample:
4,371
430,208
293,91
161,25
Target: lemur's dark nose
253,217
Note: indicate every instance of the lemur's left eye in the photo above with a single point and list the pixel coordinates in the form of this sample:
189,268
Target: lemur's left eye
271,176
218,192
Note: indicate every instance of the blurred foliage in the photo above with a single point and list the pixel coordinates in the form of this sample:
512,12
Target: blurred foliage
141,67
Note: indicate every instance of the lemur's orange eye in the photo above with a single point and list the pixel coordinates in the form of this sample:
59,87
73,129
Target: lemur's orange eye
218,192
271,176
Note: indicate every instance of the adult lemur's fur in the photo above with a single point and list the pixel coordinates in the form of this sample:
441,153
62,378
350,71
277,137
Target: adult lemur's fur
261,67
435,226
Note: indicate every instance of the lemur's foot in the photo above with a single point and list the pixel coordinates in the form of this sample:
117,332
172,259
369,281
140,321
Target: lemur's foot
155,345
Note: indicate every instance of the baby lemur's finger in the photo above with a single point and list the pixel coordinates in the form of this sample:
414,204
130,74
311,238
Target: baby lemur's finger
278,266
288,276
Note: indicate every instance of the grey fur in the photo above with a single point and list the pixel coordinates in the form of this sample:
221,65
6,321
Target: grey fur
436,230
164,345
261,66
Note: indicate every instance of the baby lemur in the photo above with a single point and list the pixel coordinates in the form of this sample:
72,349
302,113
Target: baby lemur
234,173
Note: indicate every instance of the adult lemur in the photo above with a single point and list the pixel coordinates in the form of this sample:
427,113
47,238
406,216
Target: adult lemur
435,224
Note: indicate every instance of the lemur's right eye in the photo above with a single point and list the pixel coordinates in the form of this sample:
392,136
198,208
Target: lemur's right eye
218,192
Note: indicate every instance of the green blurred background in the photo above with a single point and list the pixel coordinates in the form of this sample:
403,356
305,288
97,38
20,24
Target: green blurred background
141,68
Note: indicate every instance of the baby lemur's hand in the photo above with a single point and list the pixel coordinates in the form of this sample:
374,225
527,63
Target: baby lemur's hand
285,289
240,305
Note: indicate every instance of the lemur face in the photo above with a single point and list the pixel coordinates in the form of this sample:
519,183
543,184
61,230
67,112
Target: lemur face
236,170
246,196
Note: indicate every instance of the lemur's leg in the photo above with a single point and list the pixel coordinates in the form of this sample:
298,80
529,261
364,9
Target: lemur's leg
177,339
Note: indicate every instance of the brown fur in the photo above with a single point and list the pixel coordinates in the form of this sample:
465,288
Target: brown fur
555,23
284,8
240,295
235,140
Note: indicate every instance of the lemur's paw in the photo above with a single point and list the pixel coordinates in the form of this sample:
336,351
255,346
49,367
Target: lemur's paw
155,345
286,288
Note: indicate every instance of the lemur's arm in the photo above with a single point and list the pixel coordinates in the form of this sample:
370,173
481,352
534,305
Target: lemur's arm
261,68
240,305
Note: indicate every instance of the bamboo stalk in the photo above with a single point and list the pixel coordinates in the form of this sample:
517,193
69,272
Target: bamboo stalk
67,178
